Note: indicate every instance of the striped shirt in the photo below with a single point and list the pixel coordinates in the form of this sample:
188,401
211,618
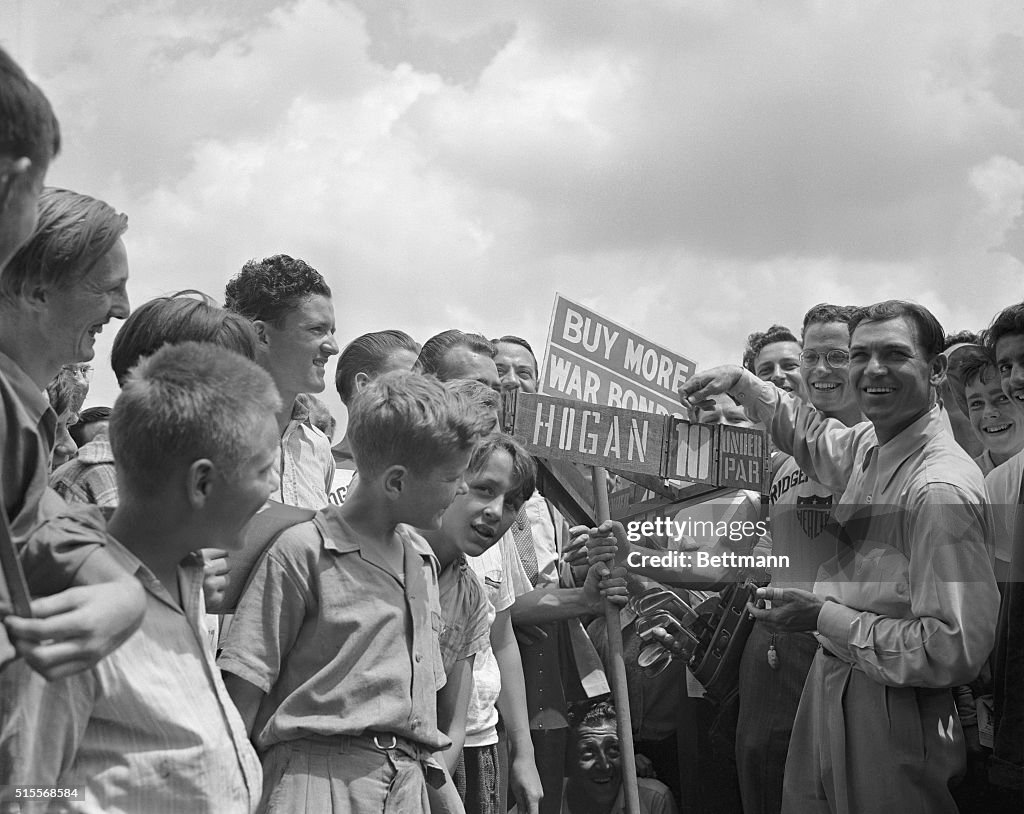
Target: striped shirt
148,729
305,466
90,477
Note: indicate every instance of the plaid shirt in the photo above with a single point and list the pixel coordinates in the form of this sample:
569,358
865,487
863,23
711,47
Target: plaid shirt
89,478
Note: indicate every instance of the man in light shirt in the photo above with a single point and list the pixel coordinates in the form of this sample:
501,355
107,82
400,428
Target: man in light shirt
907,608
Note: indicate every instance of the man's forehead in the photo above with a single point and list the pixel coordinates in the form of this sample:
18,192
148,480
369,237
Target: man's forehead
1010,345
510,353
597,731
898,330
778,350
462,363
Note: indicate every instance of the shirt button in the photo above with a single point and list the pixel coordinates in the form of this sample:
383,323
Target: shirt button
419,658
415,723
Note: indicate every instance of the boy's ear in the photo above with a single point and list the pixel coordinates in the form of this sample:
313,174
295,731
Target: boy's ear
394,480
11,172
360,381
200,482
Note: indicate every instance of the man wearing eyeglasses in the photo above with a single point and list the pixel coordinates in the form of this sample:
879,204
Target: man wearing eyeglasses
907,607
775,664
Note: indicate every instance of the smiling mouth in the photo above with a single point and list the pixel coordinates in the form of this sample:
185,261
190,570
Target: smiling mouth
825,387
879,391
485,532
997,429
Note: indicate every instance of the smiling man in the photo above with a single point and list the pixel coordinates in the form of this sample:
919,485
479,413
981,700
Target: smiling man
289,303
774,356
907,608
594,782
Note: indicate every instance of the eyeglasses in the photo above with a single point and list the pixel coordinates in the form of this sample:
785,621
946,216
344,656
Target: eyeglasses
834,358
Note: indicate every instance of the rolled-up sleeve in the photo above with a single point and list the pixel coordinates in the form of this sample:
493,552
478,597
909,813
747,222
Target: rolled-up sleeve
953,599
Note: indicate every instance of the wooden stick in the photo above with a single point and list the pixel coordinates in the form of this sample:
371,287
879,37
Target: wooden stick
620,691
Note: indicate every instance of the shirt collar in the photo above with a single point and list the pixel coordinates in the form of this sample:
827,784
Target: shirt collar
26,389
892,454
191,567
97,451
346,541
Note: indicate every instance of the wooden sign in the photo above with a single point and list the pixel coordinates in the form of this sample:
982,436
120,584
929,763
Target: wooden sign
643,444
588,434
593,359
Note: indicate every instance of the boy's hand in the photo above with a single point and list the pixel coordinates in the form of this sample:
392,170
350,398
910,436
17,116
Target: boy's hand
74,629
607,543
215,577
602,583
525,783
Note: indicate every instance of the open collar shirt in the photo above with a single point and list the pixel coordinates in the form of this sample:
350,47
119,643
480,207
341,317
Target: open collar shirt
338,641
150,728
911,595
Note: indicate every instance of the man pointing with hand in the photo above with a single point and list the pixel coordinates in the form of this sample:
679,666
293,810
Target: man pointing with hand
907,607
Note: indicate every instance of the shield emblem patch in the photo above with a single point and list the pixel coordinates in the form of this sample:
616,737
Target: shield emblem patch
813,513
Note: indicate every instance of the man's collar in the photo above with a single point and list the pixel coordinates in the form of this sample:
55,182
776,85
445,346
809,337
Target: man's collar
896,450
27,390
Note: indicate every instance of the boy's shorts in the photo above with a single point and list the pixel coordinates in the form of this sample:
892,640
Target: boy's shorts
365,774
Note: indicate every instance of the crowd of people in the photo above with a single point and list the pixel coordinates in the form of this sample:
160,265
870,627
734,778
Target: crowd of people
421,628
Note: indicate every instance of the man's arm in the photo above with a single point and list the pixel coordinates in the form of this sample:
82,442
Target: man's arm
523,777
543,605
824,448
953,601
246,697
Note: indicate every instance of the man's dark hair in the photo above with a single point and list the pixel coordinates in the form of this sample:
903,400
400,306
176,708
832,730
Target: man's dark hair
91,415
961,338
188,316
824,313
518,340
1008,321
759,340
591,712
369,354
524,468
435,349
28,127
270,288
930,336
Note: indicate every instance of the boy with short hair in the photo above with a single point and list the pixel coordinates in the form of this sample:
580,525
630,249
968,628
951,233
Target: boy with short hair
998,425
501,476
332,657
151,727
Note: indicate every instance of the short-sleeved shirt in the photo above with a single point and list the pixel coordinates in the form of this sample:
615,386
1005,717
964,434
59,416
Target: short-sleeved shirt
466,626
305,466
497,568
340,643
149,728
90,477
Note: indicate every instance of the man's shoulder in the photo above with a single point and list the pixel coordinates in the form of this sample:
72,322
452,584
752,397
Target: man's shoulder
945,462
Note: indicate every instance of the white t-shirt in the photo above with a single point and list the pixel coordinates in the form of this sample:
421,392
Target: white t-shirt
496,568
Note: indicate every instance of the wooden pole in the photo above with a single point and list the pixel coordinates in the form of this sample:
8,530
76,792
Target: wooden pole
620,691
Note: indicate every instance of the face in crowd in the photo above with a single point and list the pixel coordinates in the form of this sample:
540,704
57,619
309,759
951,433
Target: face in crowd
516,367
598,763
825,366
300,344
891,374
462,363
779,363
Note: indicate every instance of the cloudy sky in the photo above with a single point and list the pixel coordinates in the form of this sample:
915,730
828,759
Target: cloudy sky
695,170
